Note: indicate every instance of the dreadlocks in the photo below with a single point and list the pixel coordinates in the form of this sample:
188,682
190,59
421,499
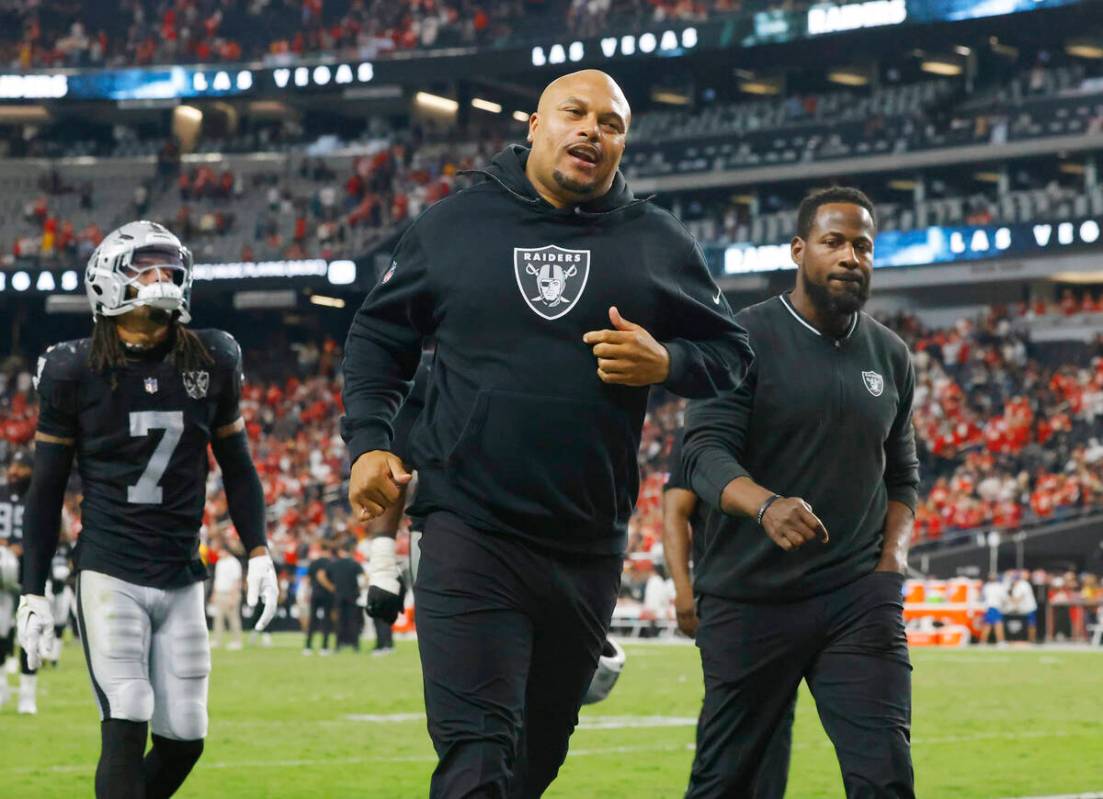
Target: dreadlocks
108,353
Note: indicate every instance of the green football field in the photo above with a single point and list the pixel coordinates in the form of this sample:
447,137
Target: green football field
996,723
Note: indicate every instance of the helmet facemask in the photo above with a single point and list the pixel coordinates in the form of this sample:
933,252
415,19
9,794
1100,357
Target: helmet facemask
141,265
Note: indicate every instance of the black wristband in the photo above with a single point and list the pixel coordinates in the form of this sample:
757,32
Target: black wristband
765,507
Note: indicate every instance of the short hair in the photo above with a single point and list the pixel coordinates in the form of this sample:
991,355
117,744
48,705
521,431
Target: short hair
806,214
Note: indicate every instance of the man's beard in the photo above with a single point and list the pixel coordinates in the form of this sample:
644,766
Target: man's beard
830,304
573,186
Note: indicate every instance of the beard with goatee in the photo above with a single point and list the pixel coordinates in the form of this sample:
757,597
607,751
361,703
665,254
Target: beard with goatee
831,304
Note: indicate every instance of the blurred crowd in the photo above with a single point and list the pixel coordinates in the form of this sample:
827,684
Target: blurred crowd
305,209
145,32
1007,437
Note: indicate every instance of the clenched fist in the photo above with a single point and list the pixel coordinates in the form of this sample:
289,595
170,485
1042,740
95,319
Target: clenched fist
790,523
375,483
628,355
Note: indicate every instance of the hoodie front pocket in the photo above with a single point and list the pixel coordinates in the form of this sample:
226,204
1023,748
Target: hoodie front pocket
532,459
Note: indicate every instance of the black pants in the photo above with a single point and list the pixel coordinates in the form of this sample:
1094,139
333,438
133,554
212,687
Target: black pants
509,637
321,620
849,645
384,635
350,620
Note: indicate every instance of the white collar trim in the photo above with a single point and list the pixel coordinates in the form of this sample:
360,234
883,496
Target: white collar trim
799,318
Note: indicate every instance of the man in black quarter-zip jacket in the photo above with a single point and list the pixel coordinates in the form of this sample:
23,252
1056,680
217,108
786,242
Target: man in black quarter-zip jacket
811,465
555,299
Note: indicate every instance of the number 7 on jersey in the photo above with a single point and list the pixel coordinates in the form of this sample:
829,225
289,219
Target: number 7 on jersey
147,491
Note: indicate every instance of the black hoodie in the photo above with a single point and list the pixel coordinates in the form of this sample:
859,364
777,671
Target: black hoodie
519,435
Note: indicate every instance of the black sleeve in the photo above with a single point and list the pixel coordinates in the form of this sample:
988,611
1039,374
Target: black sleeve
716,432
244,493
42,512
709,351
901,463
56,384
383,348
229,401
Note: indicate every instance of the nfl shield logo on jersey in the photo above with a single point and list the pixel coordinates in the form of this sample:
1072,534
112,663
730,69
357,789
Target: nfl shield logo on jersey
151,385
874,383
196,384
551,279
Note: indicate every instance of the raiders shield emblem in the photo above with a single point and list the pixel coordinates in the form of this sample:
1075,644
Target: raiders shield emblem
551,279
196,384
874,383
151,385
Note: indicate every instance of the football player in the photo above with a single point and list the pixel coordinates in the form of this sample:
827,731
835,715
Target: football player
12,494
137,404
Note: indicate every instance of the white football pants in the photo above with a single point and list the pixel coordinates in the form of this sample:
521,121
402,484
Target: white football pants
148,653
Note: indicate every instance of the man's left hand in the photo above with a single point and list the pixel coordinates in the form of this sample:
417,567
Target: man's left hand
628,355
262,585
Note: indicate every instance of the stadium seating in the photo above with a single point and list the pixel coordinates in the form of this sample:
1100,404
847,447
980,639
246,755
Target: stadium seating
153,32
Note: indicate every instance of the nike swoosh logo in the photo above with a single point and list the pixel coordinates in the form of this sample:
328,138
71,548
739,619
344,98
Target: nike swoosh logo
719,294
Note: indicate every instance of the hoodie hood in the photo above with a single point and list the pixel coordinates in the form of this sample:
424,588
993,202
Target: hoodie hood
507,169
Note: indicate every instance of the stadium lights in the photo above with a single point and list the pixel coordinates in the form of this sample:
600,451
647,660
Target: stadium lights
436,102
1084,48
761,87
938,65
669,97
24,114
999,48
486,105
521,116
848,77
188,113
1082,278
961,49
328,302
341,273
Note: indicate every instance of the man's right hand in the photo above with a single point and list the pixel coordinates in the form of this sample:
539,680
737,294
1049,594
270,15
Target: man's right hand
686,609
790,523
374,483
34,623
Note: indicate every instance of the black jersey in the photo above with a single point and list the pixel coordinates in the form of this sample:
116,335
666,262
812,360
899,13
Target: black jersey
141,437
11,515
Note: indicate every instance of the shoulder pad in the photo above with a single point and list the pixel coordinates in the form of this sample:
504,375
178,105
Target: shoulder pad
223,347
63,361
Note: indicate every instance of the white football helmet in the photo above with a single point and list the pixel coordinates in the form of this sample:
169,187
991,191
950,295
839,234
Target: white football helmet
113,270
609,667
